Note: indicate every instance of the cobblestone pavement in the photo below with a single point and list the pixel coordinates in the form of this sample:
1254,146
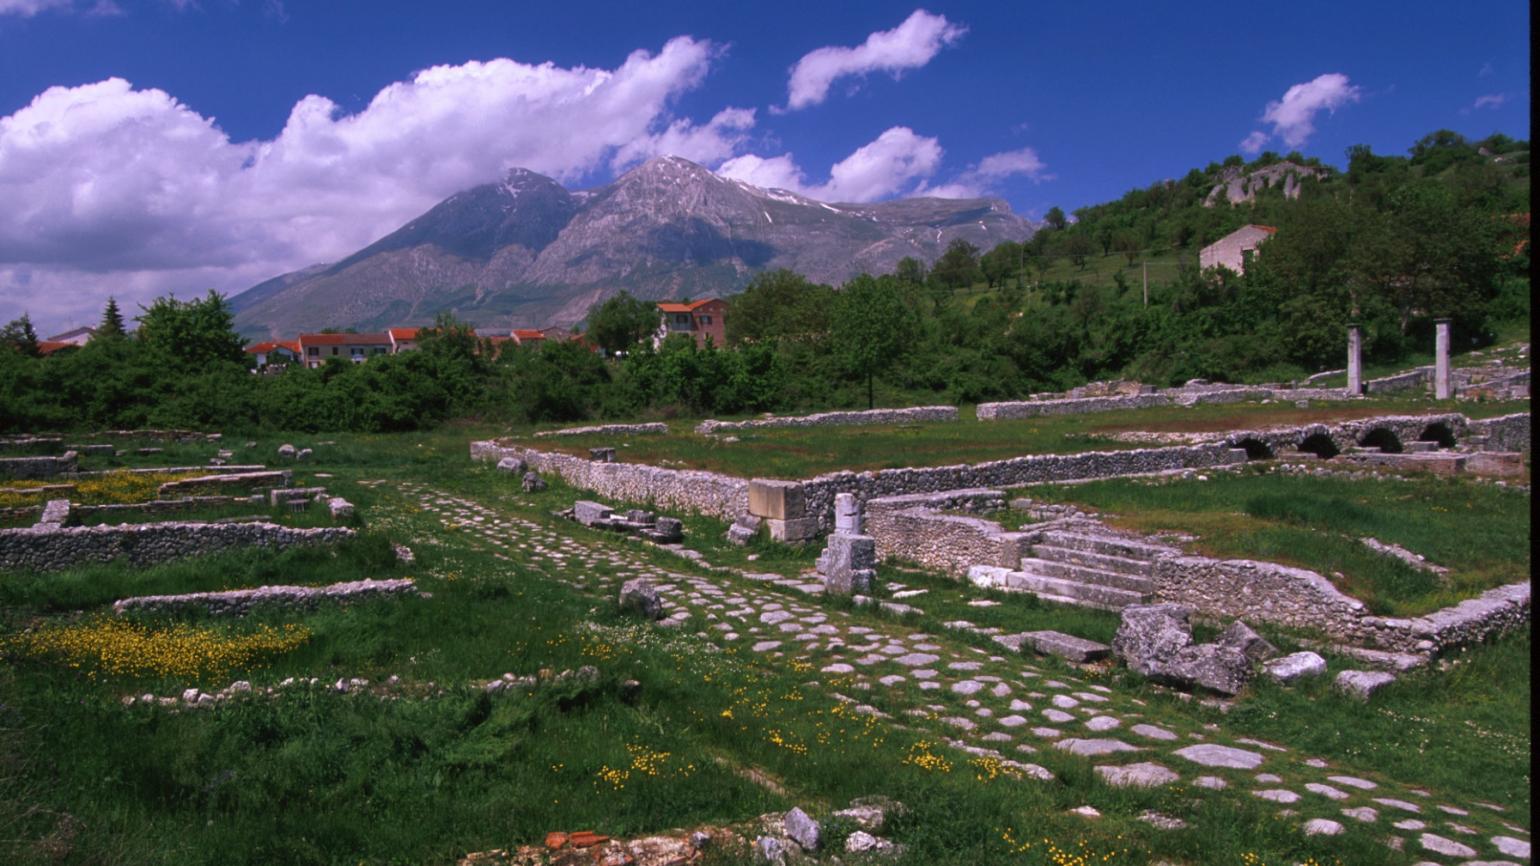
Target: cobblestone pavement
1002,706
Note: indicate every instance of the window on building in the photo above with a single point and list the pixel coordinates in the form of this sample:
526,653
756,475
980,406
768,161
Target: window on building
705,320
313,351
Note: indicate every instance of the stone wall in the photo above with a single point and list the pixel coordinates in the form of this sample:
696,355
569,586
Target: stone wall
238,602
1189,396
607,429
1348,434
55,549
1417,379
25,445
913,415
689,490
1504,433
152,507
818,493
32,468
914,528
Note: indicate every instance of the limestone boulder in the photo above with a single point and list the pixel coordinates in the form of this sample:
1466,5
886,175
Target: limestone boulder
641,597
533,483
1294,667
1150,633
511,465
1240,636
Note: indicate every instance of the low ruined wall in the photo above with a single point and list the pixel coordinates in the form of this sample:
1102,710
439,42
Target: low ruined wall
32,468
25,445
818,493
689,490
1419,379
1300,598
1348,434
56,549
913,415
160,506
1504,433
914,529
607,430
237,602
1073,406
1192,396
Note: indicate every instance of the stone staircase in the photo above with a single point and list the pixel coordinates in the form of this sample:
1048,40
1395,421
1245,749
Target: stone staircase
1089,569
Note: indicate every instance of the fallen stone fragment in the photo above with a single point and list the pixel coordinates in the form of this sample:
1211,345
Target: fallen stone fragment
1362,684
1322,827
803,830
1294,667
1447,847
640,596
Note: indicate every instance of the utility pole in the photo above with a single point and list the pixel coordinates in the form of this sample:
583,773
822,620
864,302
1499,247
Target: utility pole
1146,267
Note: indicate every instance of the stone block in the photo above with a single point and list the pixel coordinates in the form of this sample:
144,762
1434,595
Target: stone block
601,455
1501,464
793,531
1363,684
668,529
853,581
847,552
512,465
777,500
590,513
1066,646
1295,666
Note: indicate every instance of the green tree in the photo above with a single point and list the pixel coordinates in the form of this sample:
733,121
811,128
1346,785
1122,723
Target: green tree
780,305
619,323
911,270
1078,247
959,265
872,329
20,336
111,326
196,333
1055,218
1001,262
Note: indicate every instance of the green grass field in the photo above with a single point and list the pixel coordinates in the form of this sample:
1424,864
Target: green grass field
804,452
715,734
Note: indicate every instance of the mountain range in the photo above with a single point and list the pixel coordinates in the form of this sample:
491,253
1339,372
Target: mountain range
527,252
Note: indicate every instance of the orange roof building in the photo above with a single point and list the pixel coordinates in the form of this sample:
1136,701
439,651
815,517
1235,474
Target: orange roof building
702,320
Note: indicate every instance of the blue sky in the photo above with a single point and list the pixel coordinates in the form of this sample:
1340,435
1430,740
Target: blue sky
182,144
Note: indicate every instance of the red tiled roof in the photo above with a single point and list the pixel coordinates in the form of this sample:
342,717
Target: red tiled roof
270,345
677,307
1269,229
48,347
343,339
403,333
528,334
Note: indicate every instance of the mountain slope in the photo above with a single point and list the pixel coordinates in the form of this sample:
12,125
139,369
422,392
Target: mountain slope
527,252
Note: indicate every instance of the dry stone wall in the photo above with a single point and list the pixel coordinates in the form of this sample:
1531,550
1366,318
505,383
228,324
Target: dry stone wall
32,468
913,415
1188,396
914,528
607,429
59,548
237,602
689,490
1504,433
818,493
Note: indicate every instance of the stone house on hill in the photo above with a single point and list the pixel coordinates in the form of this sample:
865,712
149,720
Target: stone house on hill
1234,250
699,319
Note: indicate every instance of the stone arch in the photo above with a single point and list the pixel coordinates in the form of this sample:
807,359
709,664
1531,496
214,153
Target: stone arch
1438,432
1320,445
1256,449
1382,438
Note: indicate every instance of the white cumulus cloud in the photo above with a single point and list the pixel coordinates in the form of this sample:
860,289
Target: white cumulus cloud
129,190
1490,100
891,163
910,45
1293,117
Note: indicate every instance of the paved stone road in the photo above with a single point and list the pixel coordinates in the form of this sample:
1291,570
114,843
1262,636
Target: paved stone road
1004,707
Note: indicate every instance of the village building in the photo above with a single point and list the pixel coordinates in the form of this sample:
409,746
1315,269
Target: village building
402,339
317,349
701,320
274,352
75,337
1235,250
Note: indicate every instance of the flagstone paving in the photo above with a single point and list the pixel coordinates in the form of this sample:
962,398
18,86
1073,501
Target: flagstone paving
1003,699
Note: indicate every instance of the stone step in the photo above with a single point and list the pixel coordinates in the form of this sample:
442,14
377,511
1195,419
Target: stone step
1421,447
1110,545
1073,591
1087,575
1091,559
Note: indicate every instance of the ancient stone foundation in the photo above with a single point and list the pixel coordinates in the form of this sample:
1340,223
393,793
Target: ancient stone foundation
914,415
53,548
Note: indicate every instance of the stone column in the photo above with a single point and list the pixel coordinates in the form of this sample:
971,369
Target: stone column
1355,367
847,514
1441,359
